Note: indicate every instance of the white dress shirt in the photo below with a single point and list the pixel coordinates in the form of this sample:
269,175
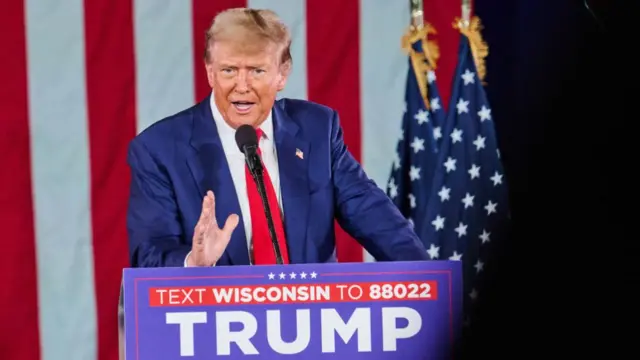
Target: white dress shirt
236,161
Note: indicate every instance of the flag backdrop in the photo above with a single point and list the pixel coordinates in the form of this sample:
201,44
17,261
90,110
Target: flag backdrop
81,78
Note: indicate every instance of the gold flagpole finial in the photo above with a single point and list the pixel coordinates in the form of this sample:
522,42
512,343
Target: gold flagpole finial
423,61
471,28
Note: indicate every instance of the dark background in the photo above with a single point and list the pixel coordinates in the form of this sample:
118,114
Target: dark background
559,80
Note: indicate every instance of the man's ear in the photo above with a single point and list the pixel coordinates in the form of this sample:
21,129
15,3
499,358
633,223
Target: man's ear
285,70
210,72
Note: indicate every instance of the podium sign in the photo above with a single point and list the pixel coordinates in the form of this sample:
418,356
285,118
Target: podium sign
385,310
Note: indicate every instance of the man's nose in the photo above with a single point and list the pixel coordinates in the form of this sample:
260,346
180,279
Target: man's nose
242,83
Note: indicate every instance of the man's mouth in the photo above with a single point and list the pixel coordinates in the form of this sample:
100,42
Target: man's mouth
242,106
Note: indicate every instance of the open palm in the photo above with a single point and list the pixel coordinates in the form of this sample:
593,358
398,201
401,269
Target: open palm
209,240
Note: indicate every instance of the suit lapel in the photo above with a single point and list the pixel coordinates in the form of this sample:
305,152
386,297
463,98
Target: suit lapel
293,154
210,170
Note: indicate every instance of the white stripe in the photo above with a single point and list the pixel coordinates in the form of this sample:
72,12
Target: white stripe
293,14
59,150
383,70
164,59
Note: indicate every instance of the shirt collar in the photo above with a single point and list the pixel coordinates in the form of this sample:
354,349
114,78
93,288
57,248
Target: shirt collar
226,131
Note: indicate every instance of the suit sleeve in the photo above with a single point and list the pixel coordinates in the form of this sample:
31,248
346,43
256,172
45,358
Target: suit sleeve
366,212
155,234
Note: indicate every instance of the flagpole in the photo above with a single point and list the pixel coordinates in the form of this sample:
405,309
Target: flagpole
417,14
466,12
419,29
424,60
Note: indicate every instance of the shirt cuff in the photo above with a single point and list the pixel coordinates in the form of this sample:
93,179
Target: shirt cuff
187,258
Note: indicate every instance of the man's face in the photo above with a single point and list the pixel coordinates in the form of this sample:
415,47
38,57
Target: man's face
245,83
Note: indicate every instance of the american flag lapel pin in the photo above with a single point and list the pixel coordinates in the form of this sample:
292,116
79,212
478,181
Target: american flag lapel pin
299,154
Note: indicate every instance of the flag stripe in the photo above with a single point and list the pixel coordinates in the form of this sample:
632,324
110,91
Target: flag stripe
382,91
58,113
333,76
203,13
112,124
382,96
164,59
19,299
292,13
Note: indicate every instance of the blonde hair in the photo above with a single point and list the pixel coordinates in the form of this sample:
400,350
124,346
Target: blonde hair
249,28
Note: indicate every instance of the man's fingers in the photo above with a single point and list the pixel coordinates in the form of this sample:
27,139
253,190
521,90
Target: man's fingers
224,236
198,234
204,207
230,224
211,196
211,210
212,202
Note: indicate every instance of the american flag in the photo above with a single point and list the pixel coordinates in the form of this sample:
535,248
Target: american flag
416,152
468,206
80,78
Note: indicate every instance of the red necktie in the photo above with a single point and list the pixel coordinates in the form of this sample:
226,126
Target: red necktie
263,252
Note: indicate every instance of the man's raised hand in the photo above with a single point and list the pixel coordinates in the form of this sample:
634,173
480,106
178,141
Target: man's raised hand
209,241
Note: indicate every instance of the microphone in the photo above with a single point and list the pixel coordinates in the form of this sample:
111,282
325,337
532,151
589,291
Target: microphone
247,141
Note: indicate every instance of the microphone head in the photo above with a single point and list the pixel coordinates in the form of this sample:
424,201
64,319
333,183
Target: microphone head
246,136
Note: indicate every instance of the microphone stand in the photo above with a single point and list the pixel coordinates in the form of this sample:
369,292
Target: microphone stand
256,170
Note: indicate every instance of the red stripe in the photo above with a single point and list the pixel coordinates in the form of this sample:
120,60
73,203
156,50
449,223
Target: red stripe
18,265
441,13
333,77
111,103
203,13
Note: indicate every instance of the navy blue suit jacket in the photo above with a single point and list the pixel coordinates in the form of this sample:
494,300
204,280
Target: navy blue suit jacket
176,160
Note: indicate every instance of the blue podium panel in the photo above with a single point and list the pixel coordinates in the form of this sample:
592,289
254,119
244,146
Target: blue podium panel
383,310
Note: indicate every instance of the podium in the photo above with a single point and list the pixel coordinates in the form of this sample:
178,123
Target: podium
380,310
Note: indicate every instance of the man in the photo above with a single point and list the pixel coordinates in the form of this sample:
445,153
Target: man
193,202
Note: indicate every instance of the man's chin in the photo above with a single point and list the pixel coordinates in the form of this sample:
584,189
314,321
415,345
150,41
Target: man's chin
236,120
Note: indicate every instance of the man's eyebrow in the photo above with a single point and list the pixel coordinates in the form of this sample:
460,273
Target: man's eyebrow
251,66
